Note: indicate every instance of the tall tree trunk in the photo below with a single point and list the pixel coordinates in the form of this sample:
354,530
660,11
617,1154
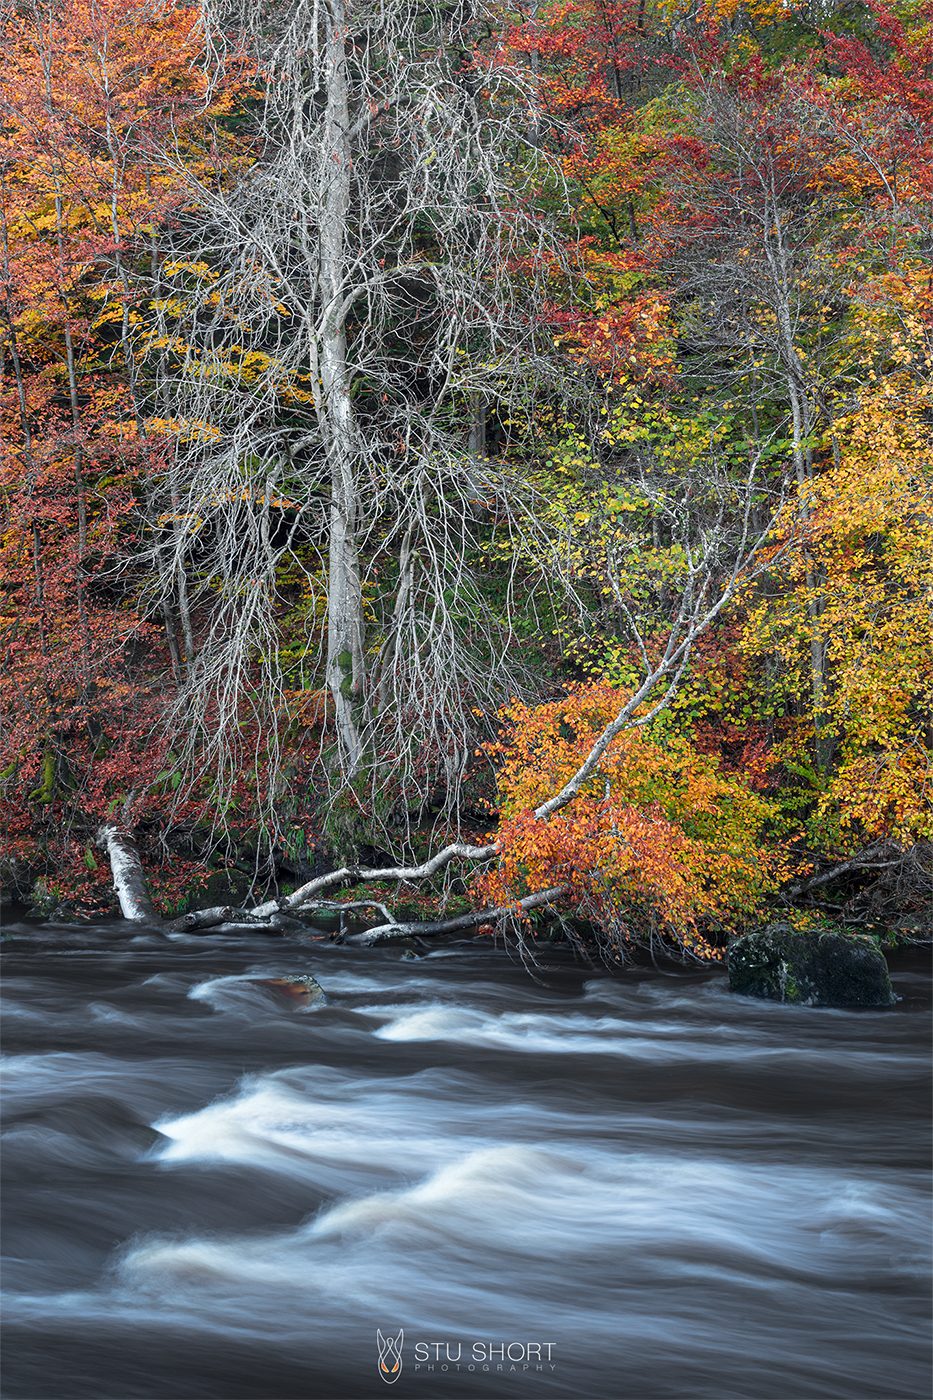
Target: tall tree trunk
802,419
345,666
80,486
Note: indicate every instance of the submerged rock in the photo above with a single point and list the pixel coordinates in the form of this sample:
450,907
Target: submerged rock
811,968
303,989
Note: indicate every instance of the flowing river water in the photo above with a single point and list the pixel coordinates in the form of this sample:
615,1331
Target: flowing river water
638,1186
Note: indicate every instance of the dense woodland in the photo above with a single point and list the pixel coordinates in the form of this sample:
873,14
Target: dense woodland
471,457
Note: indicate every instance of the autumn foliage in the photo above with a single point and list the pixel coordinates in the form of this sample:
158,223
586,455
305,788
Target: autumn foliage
91,94
863,543
738,201
658,840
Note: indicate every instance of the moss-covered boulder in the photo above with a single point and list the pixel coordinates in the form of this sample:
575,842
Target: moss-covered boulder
816,967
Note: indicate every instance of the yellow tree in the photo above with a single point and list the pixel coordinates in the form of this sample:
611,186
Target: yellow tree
867,526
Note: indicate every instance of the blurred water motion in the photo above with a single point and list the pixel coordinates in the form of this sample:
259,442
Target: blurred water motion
635,1187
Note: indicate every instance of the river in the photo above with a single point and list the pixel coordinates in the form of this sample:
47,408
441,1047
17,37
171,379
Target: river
583,1186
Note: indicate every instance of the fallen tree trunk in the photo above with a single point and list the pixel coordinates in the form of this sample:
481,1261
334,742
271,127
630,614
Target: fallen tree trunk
203,918
397,933
303,897
129,880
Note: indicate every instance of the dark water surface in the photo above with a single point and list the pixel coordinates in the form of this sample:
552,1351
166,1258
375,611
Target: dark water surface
643,1185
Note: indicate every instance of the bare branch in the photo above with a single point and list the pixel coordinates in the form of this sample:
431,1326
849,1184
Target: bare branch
396,933
304,896
863,861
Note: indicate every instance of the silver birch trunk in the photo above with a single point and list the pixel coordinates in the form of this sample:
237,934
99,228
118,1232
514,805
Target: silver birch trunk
345,670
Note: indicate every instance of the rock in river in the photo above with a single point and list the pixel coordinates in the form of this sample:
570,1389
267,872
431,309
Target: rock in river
814,967
305,990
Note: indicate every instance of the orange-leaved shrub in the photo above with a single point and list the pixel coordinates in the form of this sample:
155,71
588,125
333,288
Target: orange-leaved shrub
658,841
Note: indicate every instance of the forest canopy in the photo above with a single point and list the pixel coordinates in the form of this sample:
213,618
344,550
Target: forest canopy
479,451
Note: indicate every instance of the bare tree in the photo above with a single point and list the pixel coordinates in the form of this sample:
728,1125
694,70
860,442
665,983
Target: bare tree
343,301
357,280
